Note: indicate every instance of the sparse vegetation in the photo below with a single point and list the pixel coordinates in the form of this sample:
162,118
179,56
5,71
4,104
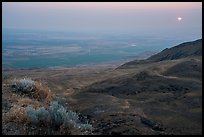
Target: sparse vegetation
33,89
5,76
25,85
164,101
16,114
56,117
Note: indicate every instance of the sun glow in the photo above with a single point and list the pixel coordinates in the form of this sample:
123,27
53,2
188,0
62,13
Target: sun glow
179,18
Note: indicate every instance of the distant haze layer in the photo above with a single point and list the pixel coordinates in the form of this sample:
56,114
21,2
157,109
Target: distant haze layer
45,34
141,17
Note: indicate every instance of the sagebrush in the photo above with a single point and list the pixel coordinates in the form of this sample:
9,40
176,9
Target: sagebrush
34,89
25,85
57,116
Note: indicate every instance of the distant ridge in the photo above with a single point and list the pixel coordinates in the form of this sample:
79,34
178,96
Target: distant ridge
183,50
186,49
172,70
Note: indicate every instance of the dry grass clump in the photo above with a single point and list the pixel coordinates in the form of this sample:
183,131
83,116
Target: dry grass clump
17,114
33,89
42,92
35,111
26,101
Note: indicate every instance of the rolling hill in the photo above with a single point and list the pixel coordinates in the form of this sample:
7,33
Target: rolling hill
167,87
187,49
161,95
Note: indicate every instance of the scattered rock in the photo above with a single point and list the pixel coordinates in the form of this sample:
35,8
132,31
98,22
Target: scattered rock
152,124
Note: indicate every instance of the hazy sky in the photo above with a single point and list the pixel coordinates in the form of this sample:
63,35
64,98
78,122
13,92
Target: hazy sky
104,16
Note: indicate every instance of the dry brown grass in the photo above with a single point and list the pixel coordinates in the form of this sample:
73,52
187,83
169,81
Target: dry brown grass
42,93
16,114
24,102
64,130
14,97
40,96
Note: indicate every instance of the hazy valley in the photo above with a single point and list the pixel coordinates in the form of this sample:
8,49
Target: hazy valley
158,95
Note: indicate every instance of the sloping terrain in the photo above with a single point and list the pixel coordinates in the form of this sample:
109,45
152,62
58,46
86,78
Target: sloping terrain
172,99
187,49
183,75
169,90
146,97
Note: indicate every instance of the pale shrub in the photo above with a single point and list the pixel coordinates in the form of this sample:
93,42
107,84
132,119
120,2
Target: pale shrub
25,85
57,116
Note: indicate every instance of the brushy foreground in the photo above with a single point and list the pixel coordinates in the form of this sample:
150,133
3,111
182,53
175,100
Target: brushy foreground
55,117
48,116
31,88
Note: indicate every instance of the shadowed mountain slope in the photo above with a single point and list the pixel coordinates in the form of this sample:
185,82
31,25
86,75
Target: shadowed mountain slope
167,87
161,95
187,49
172,69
